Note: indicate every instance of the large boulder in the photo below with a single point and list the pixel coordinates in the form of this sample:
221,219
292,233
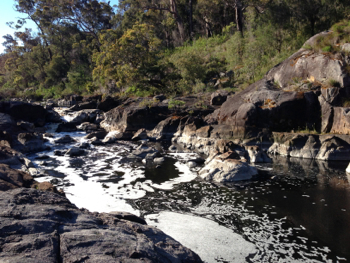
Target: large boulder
25,112
226,168
108,103
129,119
306,64
341,121
29,142
40,226
165,129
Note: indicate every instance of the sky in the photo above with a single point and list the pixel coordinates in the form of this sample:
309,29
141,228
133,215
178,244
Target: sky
8,14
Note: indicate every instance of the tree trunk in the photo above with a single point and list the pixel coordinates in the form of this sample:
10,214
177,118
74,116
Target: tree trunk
207,27
190,3
239,16
180,25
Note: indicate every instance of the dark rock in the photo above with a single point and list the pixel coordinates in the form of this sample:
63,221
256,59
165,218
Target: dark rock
11,178
218,97
100,134
132,118
59,152
84,106
10,156
28,112
26,126
108,103
29,142
74,151
6,122
39,226
96,141
66,127
88,127
165,129
160,97
65,139
53,116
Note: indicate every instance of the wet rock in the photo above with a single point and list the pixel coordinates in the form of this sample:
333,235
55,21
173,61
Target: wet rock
42,157
143,150
74,151
96,141
84,145
59,152
222,168
84,106
66,127
27,126
65,139
100,134
88,127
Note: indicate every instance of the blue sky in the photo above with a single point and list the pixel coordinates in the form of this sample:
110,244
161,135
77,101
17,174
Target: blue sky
8,14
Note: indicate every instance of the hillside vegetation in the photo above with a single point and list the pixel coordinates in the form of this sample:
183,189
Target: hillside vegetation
147,47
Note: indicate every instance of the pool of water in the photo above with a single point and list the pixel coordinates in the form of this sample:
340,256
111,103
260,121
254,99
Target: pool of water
294,211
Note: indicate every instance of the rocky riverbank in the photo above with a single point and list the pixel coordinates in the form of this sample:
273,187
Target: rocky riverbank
294,111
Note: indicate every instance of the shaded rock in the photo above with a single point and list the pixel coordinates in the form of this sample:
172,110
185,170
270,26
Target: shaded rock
165,129
10,157
218,97
59,152
128,120
327,115
96,141
108,103
27,126
142,151
38,226
7,123
65,139
28,112
74,151
53,116
84,106
66,127
88,127
29,142
100,134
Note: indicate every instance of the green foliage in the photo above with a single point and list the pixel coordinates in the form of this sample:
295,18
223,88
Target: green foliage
175,103
333,83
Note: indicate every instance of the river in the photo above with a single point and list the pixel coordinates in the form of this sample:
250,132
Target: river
295,211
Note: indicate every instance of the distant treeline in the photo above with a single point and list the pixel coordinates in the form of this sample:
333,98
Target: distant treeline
145,47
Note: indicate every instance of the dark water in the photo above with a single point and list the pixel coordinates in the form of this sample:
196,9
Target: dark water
294,211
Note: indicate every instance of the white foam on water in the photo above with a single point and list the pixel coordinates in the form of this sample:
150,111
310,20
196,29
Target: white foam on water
207,238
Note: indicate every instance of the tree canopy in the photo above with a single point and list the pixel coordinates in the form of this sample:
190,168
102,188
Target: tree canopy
154,46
